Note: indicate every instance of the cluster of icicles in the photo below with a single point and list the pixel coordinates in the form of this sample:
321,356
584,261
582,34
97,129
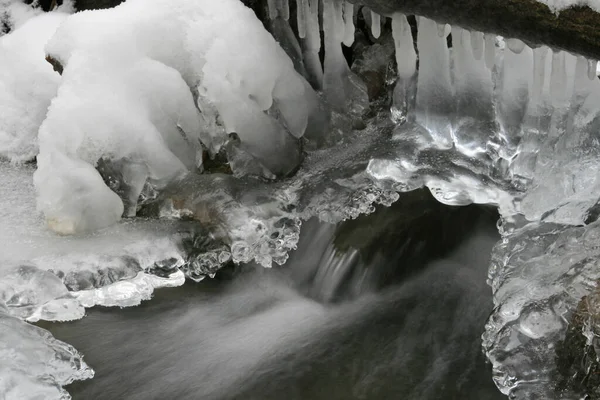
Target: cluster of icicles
446,81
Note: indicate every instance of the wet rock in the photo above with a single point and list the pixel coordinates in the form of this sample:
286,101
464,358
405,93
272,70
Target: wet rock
578,355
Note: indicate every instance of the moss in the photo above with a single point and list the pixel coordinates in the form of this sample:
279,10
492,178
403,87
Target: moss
577,363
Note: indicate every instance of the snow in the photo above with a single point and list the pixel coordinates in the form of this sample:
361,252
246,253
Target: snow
27,85
559,5
106,109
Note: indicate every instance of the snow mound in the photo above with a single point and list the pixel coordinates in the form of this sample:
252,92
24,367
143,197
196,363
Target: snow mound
27,85
132,79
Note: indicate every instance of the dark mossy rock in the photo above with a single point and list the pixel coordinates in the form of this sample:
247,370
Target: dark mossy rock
81,5
578,366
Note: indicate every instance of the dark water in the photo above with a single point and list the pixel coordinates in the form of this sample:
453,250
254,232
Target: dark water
264,334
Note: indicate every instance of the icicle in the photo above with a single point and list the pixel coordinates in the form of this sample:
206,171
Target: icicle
477,44
512,102
434,91
284,9
302,14
312,44
473,88
515,45
315,29
539,73
581,90
336,69
406,56
273,8
490,50
406,59
591,70
558,79
340,24
442,30
349,23
375,24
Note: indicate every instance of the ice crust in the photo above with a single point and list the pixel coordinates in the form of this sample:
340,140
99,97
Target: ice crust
33,364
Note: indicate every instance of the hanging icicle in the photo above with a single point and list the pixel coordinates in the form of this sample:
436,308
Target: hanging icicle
348,23
477,44
435,103
273,8
591,70
406,56
302,12
312,44
375,24
515,45
284,9
490,50
406,60
539,73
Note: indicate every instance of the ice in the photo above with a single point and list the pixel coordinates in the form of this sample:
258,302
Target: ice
406,56
34,364
473,91
27,85
105,77
490,50
515,45
477,43
539,273
302,12
592,68
509,126
434,88
273,8
342,92
312,45
514,90
284,9
375,24
349,24
41,270
406,61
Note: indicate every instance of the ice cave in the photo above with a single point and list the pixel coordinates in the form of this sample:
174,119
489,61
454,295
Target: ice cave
299,199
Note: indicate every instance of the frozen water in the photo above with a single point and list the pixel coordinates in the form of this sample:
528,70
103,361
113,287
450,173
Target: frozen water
480,122
34,365
40,269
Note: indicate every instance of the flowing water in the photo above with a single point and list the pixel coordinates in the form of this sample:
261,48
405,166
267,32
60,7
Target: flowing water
323,326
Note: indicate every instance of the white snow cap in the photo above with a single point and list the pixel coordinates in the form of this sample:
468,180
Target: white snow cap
27,85
558,5
126,96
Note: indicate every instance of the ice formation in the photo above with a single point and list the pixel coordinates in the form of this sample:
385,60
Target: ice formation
106,109
148,87
34,365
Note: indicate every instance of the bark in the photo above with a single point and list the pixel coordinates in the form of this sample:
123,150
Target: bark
574,30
